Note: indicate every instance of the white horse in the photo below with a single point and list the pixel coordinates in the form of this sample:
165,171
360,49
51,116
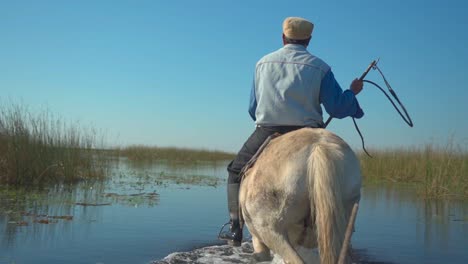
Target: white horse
299,194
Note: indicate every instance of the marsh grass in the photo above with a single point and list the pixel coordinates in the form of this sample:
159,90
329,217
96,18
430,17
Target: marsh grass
172,154
38,149
438,172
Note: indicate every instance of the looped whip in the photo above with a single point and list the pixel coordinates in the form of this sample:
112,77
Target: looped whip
405,116
362,138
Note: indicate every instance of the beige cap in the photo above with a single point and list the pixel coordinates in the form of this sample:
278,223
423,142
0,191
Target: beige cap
297,28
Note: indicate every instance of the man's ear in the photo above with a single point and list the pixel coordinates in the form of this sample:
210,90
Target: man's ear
308,41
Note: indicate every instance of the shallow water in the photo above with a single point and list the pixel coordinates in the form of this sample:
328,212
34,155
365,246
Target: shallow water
396,226
393,224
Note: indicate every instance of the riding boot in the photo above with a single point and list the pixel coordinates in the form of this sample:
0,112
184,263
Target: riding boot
234,236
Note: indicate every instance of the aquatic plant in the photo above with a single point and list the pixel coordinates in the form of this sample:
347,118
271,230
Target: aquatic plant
438,172
173,154
37,148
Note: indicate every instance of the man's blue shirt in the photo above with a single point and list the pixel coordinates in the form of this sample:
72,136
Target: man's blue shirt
337,103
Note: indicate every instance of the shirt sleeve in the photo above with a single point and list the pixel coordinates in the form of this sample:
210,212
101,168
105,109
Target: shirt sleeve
253,102
337,103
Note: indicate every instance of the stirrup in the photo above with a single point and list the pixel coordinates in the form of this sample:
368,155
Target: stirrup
231,241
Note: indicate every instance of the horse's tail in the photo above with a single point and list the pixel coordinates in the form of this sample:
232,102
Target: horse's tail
325,167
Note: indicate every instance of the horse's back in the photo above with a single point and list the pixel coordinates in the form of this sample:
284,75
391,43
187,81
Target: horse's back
287,154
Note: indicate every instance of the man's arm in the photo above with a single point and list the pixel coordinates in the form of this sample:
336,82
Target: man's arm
337,103
253,102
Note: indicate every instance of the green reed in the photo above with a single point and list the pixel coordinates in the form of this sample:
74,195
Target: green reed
438,172
37,149
173,154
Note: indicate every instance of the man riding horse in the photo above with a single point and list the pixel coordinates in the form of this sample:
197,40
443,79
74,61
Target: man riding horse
289,87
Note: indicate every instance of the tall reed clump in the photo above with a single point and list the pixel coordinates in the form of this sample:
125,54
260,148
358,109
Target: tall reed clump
147,153
37,149
439,172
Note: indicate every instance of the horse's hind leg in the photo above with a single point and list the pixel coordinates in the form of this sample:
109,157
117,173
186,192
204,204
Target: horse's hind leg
279,243
261,251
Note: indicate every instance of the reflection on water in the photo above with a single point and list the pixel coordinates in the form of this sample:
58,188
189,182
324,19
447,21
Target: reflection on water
129,219
150,210
396,226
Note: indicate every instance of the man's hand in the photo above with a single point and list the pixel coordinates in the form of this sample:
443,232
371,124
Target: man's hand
356,86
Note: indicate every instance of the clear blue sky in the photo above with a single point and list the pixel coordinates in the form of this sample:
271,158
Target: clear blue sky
179,73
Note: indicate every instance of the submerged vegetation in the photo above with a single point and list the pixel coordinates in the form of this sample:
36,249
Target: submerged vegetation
37,149
438,172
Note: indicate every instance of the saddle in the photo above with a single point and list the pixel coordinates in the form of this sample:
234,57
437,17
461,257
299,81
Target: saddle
254,158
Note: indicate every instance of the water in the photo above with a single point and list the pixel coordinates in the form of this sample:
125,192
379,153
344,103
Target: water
393,224
396,226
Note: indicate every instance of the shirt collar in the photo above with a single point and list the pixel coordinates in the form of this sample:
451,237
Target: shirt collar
294,47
